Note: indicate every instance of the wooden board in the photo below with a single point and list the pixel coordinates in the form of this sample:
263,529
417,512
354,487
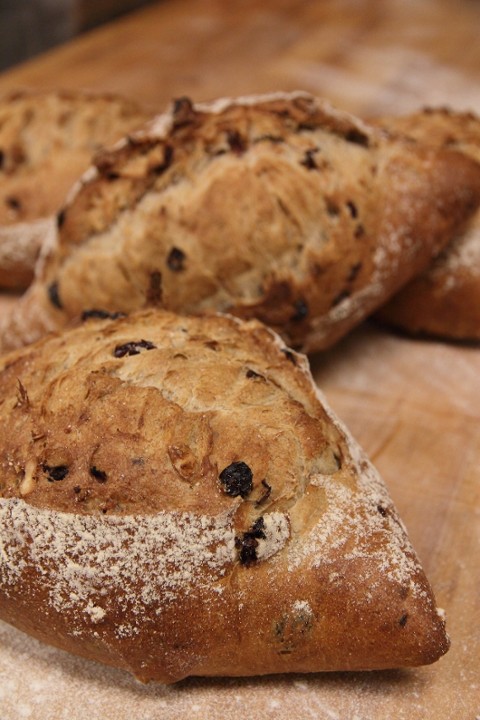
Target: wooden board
413,405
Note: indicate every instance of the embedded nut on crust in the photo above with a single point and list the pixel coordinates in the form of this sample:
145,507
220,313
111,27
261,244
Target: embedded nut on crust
177,499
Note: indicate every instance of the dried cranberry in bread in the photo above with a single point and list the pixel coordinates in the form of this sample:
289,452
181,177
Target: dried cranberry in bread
177,499
47,139
276,207
444,300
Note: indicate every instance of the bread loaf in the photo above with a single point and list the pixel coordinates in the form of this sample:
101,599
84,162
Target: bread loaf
177,499
275,207
443,301
47,139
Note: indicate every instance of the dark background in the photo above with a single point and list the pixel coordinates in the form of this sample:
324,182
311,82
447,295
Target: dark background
29,27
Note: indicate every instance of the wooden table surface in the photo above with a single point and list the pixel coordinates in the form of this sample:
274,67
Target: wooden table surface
413,405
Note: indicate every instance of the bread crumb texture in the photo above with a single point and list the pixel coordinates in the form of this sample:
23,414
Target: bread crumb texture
177,499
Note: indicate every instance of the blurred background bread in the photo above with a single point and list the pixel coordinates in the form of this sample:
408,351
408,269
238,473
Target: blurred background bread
444,301
47,139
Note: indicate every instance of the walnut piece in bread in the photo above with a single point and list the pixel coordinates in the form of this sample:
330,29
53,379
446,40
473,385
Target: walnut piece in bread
177,499
444,301
47,139
275,207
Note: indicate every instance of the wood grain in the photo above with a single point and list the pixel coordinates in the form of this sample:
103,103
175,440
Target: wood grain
365,55
413,405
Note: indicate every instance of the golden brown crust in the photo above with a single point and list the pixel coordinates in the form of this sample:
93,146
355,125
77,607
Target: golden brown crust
47,139
444,301
177,499
276,207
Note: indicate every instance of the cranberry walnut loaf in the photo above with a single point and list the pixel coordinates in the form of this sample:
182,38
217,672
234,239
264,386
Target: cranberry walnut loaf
177,499
444,300
47,139
274,207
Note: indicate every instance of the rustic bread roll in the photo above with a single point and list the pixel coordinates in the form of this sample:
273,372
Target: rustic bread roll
444,301
177,499
276,207
47,139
